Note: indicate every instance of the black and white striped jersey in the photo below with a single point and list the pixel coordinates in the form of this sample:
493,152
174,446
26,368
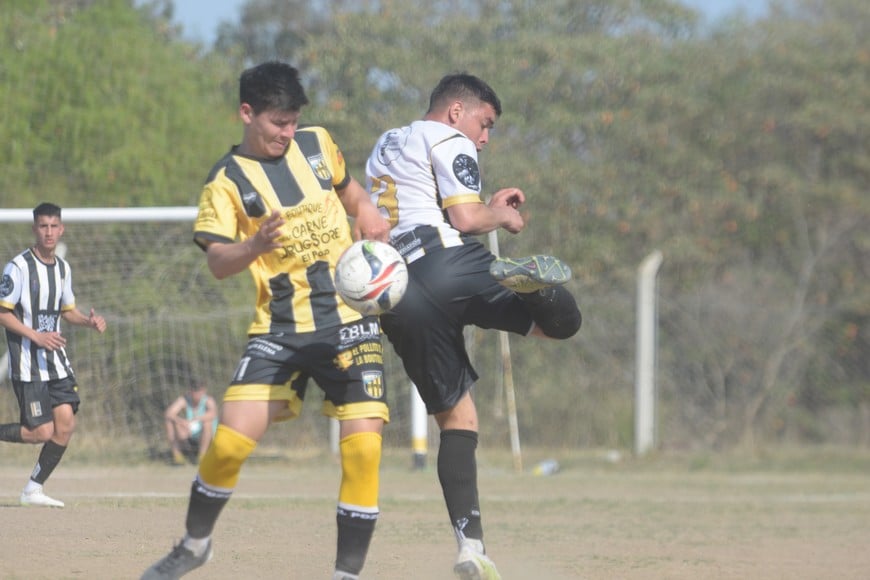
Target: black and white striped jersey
37,293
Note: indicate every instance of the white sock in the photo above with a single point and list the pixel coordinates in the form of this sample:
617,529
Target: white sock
196,545
32,486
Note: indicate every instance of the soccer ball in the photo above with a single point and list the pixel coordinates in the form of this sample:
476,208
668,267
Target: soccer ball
371,277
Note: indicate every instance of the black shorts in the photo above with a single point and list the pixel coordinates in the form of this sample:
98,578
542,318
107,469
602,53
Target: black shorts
36,399
449,289
345,361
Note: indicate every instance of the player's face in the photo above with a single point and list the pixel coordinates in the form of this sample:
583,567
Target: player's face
476,121
48,230
269,133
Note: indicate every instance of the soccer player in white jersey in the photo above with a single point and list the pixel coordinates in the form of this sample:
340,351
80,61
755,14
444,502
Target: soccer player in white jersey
425,179
35,293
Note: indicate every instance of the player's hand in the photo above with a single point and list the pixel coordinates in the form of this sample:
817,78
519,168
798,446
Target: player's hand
266,238
514,221
50,341
507,197
371,225
97,322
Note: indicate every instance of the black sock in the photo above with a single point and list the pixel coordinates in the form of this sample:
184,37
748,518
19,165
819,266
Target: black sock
457,472
554,311
49,457
11,432
355,531
204,508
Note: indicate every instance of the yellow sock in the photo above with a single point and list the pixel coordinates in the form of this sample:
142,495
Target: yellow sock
360,464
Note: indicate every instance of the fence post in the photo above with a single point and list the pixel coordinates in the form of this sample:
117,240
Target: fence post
645,388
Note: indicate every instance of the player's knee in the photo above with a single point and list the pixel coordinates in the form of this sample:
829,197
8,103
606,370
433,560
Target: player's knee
558,316
39,434
360,463
222,462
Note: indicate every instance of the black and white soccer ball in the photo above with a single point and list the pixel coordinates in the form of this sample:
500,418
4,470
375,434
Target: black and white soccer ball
371,277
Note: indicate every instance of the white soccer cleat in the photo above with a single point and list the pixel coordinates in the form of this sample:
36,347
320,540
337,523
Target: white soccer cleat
473,564
38,498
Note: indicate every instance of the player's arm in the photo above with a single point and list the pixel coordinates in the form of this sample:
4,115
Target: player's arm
173,410
478,218
210,410
47,340
369,224
227,259
77,317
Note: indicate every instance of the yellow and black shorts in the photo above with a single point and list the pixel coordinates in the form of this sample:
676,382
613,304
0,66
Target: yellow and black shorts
345,361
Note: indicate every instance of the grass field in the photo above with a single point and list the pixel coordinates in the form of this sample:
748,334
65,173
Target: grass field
785,517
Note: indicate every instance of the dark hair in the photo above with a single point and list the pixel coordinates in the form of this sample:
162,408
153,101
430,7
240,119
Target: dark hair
272,85
46,209
463,86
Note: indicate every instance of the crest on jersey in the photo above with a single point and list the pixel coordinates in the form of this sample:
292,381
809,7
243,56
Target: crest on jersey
6,285
373,383
391,145
465,169
319,167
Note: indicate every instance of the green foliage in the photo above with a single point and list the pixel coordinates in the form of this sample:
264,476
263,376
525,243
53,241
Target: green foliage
103,104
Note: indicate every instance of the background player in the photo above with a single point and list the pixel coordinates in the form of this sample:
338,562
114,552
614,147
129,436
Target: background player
425,178
191,420
35,293
277,205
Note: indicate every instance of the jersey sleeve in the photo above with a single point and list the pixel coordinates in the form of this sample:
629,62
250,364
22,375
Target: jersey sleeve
216,218
457,173
67,297
338,168
10,286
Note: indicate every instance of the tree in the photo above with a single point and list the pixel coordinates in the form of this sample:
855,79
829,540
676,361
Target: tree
115,90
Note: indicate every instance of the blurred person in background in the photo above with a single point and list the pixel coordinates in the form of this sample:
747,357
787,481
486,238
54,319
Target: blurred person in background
191,420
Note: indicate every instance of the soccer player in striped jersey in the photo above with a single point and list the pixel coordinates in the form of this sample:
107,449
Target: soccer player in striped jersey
35,294
426,180
278,205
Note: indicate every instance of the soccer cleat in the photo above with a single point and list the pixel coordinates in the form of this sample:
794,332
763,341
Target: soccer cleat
473,564
525,275
178,458
179,562
38,498
339,575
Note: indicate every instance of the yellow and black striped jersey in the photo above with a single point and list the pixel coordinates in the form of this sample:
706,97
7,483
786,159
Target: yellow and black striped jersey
294,284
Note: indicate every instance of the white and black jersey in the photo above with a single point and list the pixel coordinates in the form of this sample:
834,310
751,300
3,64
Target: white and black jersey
37,293
413,175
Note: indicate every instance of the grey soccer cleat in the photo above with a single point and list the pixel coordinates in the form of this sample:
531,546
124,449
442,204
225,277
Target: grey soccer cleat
526,275
177,563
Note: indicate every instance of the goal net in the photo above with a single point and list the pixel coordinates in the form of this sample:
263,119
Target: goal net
169,321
